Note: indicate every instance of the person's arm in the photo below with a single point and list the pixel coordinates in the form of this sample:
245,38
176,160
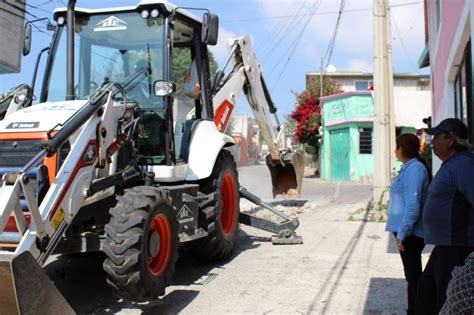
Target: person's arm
413,183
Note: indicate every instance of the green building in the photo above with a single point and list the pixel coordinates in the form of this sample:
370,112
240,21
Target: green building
346,147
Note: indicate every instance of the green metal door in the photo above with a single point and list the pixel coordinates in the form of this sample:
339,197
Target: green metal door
340,158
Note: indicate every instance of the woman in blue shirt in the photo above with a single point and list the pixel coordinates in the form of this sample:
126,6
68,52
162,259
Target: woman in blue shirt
407,196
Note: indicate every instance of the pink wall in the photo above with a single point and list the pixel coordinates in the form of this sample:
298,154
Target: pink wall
451,14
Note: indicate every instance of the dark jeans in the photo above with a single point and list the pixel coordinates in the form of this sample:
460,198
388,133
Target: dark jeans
411,259
431,293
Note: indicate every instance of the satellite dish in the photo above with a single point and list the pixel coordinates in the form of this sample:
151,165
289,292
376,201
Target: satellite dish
331,68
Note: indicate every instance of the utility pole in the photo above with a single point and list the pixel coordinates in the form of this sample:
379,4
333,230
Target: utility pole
384,131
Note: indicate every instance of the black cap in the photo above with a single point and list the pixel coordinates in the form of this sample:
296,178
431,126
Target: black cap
450,126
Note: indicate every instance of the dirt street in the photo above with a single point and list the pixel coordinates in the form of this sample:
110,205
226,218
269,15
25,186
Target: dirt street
343,267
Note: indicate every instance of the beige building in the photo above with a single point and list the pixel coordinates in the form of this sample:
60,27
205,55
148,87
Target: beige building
11,35
412,93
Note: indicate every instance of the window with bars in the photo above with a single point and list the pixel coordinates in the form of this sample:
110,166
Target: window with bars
365,140
362,85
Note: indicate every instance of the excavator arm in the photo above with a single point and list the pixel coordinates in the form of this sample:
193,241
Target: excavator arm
286,167
15,99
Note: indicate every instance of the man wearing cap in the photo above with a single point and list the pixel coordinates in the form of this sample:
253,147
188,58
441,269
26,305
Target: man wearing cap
448,213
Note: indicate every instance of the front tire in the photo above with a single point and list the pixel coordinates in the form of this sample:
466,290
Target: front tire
222,215
141,244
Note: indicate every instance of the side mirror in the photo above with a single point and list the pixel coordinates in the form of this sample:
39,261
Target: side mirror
210,29
27,39
164,88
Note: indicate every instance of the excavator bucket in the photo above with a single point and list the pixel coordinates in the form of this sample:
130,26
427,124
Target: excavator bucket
26,289
287,175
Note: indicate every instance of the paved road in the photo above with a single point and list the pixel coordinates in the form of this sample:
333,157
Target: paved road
343,267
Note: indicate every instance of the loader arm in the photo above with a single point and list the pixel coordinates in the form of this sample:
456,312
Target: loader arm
247,77
286,167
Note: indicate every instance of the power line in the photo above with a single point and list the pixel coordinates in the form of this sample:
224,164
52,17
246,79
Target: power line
414,22
320,13
285,31
296,42
24,11
36,7
401,40
44,3
332,42
292,27
20,9
279,27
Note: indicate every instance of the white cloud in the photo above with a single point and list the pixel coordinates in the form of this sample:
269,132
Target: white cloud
355,35
358,65
220,51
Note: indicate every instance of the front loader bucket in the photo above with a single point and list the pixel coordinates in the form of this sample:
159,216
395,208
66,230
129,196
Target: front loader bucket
26,289
287,175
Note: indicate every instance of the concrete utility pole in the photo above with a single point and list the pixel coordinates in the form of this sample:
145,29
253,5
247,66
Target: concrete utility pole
384,131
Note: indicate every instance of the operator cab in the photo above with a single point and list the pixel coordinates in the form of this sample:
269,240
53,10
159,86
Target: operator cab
112,46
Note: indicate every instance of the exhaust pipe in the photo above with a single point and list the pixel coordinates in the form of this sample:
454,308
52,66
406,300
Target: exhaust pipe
70,50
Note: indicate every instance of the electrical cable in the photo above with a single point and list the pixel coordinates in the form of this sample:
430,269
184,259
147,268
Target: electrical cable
329,50
320,13
275,29
288,32
401,41
21,9
292,26
280,27
36,8
314,8
24,11
414,22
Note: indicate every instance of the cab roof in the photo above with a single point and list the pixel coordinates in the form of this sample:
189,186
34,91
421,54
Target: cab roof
163,4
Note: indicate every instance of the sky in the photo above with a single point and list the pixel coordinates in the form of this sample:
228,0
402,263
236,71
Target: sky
289,37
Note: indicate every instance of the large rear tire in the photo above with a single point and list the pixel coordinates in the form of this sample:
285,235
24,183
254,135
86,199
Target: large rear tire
141,244
222,214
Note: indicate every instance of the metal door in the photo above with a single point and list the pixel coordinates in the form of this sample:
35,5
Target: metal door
340,157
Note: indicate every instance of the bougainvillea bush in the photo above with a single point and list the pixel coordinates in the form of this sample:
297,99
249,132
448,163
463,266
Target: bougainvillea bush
307,113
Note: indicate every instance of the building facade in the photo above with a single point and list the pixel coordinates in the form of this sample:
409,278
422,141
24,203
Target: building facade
346,147
412,93
347,120
449,26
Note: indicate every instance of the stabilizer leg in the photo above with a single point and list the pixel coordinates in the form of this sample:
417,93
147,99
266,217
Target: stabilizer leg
285,230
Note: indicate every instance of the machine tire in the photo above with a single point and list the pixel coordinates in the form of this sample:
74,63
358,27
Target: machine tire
138,271
222,214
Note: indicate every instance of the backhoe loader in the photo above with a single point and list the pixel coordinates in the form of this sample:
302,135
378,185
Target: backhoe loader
119,156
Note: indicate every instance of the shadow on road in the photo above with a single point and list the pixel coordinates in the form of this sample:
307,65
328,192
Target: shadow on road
332,279
380,296
82,281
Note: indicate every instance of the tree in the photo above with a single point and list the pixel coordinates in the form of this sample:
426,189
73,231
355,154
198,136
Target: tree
307,114
182,63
